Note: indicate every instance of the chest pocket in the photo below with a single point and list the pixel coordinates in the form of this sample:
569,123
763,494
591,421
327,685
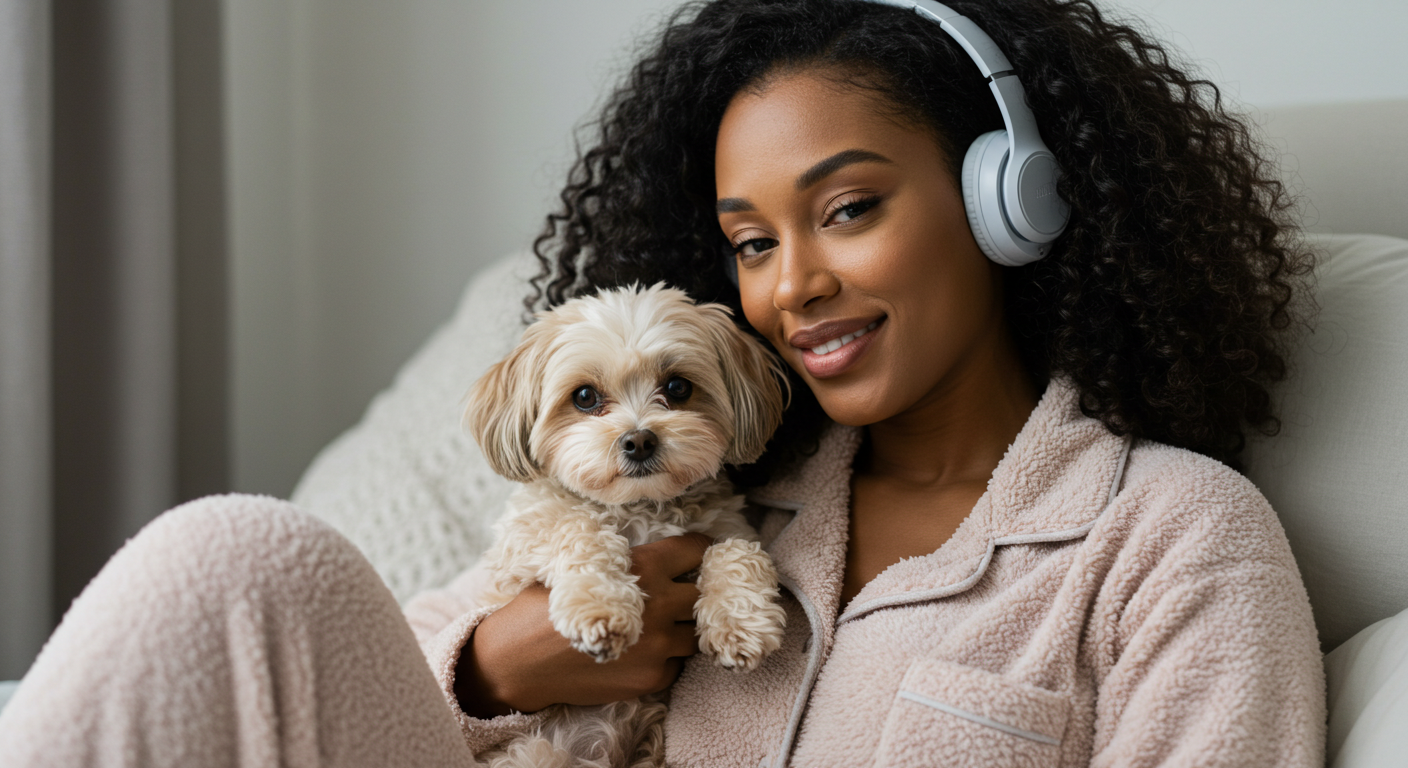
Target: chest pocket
947,714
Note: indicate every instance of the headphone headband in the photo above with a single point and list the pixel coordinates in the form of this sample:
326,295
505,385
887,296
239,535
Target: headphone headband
1026,175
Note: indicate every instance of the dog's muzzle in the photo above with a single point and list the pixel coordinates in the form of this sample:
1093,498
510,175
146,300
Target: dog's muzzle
638,446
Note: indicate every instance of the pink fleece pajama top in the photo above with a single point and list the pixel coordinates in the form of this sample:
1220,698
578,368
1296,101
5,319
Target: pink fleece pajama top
1107,602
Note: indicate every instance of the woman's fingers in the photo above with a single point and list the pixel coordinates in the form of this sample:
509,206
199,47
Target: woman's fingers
658,646
671,557
673,667
674,601
668,602
517,660
683,641
658,564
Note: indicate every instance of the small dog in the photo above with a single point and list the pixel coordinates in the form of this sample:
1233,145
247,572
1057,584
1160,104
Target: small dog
618,412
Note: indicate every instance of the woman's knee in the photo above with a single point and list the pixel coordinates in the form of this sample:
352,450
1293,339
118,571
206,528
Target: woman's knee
219,612
240,542
234,523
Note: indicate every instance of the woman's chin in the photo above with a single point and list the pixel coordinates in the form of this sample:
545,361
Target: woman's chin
856,400
852,411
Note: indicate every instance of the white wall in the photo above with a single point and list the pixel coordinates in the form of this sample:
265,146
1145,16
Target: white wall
382,151
1275,53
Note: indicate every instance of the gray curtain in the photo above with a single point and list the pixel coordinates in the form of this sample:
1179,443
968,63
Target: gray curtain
25,523
112,299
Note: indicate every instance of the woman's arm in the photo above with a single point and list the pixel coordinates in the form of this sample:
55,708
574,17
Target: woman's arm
515,660
493,664
1212,653
431,611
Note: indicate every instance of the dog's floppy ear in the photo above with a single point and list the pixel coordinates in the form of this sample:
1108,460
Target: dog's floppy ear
755,379
503,405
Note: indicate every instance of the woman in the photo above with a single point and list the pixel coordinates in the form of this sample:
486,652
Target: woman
999,511
1102,587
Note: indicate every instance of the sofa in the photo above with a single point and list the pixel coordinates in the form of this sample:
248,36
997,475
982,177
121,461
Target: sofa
410,488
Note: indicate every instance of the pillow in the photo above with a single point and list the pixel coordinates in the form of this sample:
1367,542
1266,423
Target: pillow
1367,680
408,484
1337,475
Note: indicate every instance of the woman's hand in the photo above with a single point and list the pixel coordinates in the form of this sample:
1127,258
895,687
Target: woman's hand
515,660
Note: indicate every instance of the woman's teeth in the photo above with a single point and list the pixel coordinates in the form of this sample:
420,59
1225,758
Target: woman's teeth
835,344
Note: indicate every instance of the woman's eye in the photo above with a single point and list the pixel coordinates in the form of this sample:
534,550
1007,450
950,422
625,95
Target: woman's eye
855,210
679,389
586,398
754,247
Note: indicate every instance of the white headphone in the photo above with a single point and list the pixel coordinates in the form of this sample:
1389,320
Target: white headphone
1009,177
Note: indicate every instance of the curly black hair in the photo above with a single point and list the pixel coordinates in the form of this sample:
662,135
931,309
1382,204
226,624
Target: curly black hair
1167,300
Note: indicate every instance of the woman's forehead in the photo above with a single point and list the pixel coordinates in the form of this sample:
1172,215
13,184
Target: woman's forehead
779,132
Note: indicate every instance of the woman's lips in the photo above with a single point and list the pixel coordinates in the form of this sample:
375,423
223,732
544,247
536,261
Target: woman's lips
840,358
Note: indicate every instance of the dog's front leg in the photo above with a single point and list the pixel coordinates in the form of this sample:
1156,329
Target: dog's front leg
739,619
595,602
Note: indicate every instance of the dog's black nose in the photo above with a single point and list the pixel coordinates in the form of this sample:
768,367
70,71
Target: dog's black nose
639,444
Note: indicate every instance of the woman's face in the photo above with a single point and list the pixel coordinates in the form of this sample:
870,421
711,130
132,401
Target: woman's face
846,218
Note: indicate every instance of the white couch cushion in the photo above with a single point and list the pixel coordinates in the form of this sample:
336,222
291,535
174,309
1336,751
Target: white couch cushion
1367,678
1337,474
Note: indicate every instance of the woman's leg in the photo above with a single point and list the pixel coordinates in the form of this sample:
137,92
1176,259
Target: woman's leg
232,631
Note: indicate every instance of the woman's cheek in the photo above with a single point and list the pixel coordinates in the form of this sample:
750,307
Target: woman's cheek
759,311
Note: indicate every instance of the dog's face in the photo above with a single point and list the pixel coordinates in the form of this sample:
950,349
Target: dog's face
635,393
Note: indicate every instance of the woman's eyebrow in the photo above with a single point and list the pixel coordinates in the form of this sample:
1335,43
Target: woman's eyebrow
835,163
810,176
733,205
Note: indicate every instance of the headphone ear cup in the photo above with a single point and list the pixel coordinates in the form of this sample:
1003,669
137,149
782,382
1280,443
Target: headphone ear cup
983,168
972,192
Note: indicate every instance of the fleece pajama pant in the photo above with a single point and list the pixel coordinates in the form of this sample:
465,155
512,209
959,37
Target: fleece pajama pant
232,631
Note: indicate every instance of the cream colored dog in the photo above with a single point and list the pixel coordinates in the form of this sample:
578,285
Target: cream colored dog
618,412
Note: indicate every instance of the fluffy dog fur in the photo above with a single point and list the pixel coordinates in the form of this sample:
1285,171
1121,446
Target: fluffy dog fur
591,494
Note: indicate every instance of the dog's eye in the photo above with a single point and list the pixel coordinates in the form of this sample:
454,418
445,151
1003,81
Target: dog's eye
679,389
586,398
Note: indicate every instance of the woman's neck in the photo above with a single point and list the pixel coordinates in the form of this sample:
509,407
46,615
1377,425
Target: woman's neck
920,473
961,429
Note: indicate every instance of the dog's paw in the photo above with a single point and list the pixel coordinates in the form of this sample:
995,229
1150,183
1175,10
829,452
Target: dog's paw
739,619
603,637
740,641
600,616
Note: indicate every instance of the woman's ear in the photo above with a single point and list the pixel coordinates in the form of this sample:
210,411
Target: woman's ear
503,405
755,380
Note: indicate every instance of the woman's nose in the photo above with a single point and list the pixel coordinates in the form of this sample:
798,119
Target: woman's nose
804,277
